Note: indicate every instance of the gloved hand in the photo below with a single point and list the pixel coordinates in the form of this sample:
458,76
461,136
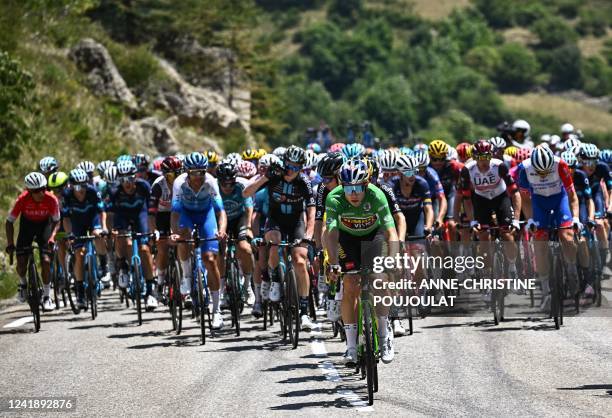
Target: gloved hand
531,225
516,224
577,224
591,224
275,170
474,224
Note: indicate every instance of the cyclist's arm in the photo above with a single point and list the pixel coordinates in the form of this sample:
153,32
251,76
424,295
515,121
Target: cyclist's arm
443,208
573,201
254,185
429,215
516,204
318,233
10,232
512,189
222,220
590,208
332,245
310,213
400,225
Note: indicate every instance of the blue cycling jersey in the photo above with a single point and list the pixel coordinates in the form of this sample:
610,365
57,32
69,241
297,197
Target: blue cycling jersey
83,214
233,203
262,202
185,198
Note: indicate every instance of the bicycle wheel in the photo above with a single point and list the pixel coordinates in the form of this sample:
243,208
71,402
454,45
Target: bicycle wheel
556,296
369,359
294,308
93,291
137,277
55,272
312,309
200,308
495,294
34,292
234,294
175,300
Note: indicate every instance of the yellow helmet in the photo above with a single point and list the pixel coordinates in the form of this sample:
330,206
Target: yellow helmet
438,149
511,151
261,152
213,157
250,154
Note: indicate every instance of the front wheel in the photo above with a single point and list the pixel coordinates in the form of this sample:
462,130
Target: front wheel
92,290
137,277
293,309
200,309
34,293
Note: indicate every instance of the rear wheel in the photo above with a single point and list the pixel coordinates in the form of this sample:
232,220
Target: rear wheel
294,309
235,296
175,299
137,277
201,307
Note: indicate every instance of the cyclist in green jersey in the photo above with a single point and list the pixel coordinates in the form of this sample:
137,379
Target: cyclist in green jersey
356,213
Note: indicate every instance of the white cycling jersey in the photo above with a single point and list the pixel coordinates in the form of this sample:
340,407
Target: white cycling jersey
488,184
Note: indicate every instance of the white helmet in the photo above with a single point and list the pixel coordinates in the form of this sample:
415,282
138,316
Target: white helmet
452,153
78,176
555,139
567,128
103,165
35,180
570,158
354,172
522,124
110,175
422,158
406,163
542,158
268,159
545,138
497,142
279,151
234,157
311,159
388,160
86,166
572,144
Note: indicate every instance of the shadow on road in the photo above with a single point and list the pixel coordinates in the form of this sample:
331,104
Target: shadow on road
607,388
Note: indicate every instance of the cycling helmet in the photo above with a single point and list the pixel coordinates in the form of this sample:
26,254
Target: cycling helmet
388,160
606,156
267,159
126,168
261,152
213,157
555,140
141,161
570,158
314,147
421,147
156,164
542,159
233,156
35,180
226,171
311,159
464,151
406,163
481,148
57,179
545,138
567,128
406,151
111,174
353,151
522,154
572,144
250,154
181,157
452,154
438,149
510,151
196,161
48,165
522,125
421,158
337,147
103,165
86,166
279,151
330,164
171,165
246,169
354,172
124,157
497,143
78,176
588,152
295,154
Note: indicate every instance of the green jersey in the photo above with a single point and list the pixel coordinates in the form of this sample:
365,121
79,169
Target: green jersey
371,214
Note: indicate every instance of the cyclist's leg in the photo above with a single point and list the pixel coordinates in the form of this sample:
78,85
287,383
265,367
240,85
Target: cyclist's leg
184,252
162,223
210,250
300,266
142,225
349,257
121,224
25,237
505,214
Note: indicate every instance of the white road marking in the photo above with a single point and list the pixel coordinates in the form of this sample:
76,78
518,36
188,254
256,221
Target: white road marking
331,373
19,322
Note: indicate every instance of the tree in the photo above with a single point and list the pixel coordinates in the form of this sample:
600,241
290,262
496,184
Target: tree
484,59
597,77
499,13
518,68
553,31
565,67
345,12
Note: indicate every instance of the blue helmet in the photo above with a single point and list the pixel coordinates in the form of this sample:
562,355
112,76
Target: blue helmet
48,165
407,151
124,157
570,158
126,168
606,156
354,172
353,151
196,161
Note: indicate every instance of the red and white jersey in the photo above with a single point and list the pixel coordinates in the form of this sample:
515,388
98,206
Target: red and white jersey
559,178
488,184
161,196
26,206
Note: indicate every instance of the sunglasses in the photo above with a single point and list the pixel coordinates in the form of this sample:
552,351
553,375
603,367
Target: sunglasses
354,188
78,187
410,173
590,163
327,179
128,179
482,157
228,183
293,167
437,160
197,173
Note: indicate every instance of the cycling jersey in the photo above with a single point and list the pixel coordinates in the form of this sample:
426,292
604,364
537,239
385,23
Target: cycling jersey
28,208
262,202
367,218
601,174
449,176
161,196
184,197
130,208
288,199
433,180
412,206
233,203
488,184
583,191
83,215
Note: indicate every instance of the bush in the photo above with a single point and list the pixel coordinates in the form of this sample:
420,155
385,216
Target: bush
499,13
484,59
137,66
592,22
553,31
565,67
597,77
468,29
346,13
527,13
518,68
568,8
483,104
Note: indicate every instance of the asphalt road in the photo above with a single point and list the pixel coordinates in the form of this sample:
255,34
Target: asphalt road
462,366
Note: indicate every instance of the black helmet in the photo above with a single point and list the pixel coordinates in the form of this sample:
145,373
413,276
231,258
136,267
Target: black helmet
295,154
330,164
226,171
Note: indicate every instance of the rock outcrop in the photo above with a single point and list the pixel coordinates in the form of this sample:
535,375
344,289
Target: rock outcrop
152,135
103,77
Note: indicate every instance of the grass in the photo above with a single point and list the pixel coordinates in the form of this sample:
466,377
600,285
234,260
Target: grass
437,9
591,45
521,36
8,285
582,115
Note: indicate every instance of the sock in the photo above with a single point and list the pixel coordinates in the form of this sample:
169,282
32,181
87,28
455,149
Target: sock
149,285
186,265
303,305
382,327
46,290
258,293
22,281
161,277
215,300
247,279
80,290
351,335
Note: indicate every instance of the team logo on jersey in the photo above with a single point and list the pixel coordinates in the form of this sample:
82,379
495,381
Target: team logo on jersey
367,206
359,223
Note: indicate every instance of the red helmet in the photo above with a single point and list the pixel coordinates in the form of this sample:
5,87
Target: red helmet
522,154
464,151
171,164
482,147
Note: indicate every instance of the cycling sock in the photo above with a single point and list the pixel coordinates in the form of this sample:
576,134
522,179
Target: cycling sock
186,265
512,265
257,292
149,285
161,277
351,335
382,327
22,281
247,279
215,300
46,290
80,290
303,305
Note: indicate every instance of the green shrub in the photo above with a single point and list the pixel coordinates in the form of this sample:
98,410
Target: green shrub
569,8
565,67
597,77
137,66
553,31
518,68
499,13
484,59
592,22
528,13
